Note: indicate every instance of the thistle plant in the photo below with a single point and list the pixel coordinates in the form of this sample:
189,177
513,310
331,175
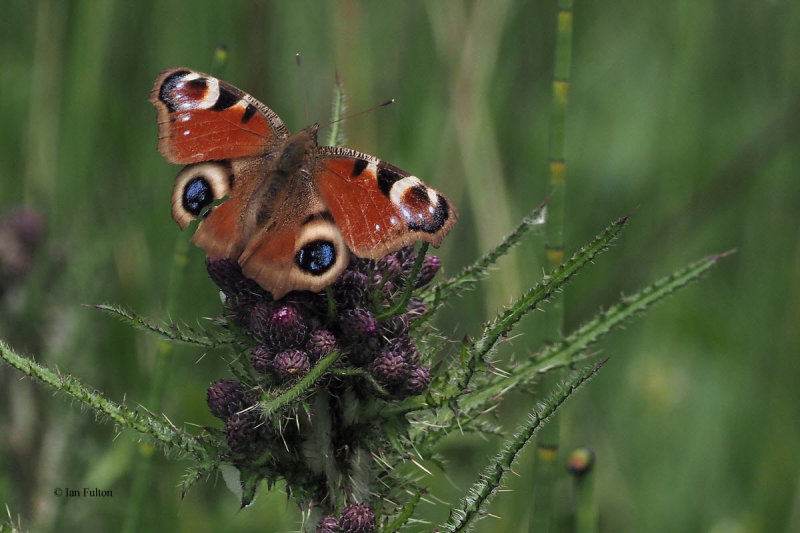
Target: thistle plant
333,393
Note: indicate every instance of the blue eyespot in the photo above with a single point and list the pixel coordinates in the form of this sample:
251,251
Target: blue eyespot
197,194
316,257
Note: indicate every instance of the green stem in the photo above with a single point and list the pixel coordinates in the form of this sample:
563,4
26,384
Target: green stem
547,442
335,136
270,406
581,464
402,302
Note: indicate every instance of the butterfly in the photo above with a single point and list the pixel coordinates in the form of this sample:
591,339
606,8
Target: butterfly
289,211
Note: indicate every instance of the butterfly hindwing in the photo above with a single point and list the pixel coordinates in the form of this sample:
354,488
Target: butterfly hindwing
299,247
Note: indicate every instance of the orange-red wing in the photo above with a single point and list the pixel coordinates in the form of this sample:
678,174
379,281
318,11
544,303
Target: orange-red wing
378,207
201,118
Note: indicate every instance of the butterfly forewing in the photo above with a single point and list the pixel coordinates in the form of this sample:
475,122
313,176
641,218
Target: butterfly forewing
378,207
202,118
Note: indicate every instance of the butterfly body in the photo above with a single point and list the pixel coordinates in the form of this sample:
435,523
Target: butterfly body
294,210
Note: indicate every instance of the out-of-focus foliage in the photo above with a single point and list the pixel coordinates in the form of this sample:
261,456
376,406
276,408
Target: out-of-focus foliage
686,113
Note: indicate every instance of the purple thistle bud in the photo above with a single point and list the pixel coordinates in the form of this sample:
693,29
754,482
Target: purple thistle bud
406,348
396,326
357,518
389,367
278,325
406,256
388,290
290,364
226,274
416,308
225,397
329,524
389,266
350,289
419,377
243,432
262,358
358,324
430,266
320,343
361,264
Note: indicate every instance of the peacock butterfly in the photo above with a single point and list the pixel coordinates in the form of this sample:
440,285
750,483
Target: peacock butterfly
294,210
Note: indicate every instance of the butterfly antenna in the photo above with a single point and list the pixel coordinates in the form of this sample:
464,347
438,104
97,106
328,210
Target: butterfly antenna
303,85
368,110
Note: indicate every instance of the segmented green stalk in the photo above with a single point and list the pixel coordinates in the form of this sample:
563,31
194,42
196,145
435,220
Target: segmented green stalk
547,441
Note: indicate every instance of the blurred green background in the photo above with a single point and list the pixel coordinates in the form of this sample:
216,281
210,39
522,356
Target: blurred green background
685,113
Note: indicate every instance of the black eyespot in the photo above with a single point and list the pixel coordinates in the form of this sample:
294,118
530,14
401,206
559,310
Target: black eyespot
438,217
197,194
316,257
168,85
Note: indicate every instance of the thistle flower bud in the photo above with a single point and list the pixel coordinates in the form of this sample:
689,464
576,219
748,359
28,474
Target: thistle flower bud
262,358
329,524
388,290
416,308
357,518
419,377
358,324
389,266
320,343
290,364
406,256
351,288
243,432
405,347
225,397
389,367
278,325
430,266
396,326
226,274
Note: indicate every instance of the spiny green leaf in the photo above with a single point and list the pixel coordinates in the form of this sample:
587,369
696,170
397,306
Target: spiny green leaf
574,346
171,331
490,480
502,324
479,270
405,514
171,437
